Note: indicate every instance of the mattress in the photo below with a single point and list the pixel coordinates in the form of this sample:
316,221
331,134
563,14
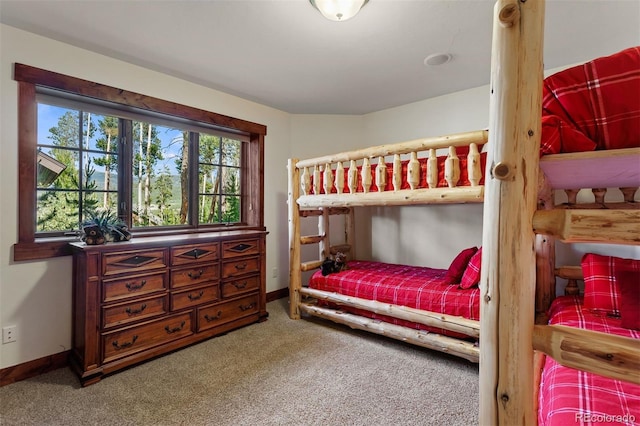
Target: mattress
568,396
412,286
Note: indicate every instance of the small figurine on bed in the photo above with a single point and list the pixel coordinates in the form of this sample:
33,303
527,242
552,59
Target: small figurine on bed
337,264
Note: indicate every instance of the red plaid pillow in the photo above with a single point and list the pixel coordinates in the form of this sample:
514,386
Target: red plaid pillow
602,293
471,276
629,283
459,264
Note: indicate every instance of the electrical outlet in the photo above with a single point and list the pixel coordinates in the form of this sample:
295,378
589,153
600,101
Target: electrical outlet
9,334
274,273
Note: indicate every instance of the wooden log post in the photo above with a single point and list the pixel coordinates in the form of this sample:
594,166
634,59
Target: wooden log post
350,233
339,178
366,175
352,177
572,196
598,194
452,168
474,170
324,246
432,169
295,274
508,258
327,179
628,194
413,171
305,181
397,173
316,180
545,256
381,174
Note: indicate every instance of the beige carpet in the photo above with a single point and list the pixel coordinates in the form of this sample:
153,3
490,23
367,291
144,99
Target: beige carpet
280,372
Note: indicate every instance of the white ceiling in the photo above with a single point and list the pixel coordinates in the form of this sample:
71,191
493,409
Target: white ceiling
284,54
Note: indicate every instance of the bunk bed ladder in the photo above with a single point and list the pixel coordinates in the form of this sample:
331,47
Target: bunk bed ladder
296,240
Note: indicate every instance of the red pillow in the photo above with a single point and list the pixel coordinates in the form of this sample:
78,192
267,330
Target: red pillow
601,289
459,264
629,283
471,276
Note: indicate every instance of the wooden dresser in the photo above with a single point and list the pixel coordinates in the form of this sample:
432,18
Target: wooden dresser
139,299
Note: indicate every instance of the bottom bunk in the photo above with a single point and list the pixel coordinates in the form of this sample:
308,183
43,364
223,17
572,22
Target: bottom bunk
420,305
570,396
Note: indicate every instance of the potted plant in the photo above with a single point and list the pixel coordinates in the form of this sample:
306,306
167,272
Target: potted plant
103,225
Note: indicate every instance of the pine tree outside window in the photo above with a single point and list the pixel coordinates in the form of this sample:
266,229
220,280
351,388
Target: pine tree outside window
163,167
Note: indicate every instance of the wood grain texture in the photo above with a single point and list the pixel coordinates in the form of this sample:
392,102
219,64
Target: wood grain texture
508,257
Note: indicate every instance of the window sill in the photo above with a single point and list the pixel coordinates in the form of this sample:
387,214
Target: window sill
45,248
42,249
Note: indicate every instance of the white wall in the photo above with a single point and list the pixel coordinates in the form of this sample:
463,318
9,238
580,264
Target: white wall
36,296
417,235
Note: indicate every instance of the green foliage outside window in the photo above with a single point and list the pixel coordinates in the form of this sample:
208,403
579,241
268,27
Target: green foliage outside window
89,148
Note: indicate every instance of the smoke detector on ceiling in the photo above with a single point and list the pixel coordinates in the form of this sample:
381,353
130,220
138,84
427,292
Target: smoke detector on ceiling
437,59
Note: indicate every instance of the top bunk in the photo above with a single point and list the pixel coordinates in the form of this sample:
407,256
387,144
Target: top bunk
591,124
590,138
413,172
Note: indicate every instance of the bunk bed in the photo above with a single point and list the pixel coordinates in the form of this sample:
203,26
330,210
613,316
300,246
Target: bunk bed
524,345
398,301
567,349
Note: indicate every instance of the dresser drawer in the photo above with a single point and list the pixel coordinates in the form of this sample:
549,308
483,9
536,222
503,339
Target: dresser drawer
124,313
237,287
137,285
240,248
221,313
133,261
138,338
240,267
193,297
194,275
193,253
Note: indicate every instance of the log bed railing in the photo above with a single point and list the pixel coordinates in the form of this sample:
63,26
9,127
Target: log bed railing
306,174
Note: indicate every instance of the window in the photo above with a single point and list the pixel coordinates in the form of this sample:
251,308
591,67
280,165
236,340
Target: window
161,167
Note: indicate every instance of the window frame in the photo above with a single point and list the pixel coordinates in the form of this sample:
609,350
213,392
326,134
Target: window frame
30,78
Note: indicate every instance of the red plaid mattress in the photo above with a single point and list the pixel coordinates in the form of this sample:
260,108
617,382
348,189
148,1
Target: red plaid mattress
412,286
569,396
593,106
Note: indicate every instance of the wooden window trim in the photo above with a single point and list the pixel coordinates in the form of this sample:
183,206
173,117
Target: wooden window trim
28,78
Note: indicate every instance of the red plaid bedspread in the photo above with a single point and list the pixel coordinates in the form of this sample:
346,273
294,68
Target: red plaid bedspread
593,106
412,286
568,396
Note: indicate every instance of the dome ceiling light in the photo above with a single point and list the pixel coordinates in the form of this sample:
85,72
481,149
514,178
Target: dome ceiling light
338,10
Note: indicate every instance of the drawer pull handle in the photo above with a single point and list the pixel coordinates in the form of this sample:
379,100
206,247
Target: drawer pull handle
192,297
240,286
136,311
133,286
196,275
241,267
246,307
175,329
209,319
125,344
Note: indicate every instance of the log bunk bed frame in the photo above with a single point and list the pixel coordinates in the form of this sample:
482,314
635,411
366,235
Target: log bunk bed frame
324,205
520,226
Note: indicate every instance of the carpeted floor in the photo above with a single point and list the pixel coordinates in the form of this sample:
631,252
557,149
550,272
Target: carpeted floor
280,372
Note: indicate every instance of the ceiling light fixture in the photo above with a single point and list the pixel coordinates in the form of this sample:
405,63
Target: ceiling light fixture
338,10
